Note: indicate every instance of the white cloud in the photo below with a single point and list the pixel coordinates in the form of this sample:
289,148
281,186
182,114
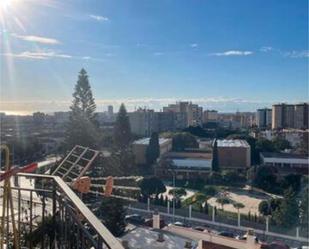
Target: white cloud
233,53
193,45
297,54
266,49
38,55
99,18
158,53
38,39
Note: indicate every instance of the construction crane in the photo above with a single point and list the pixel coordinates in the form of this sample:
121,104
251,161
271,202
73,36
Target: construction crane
7,200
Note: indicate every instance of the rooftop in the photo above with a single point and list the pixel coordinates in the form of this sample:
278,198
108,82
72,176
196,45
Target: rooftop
193,163
141,237
232,143
283,155
145,141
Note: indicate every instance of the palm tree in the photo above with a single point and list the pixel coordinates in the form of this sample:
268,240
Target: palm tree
223,200
238,205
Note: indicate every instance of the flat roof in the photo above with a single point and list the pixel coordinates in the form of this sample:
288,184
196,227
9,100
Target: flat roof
146,140
232,143
193,163
141,237
283,155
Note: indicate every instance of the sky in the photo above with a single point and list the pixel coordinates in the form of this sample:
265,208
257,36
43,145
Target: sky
222,54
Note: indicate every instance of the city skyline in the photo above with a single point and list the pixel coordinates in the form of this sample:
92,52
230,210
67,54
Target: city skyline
154,53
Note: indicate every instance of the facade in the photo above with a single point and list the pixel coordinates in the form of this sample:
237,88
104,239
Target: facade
144,122
110,110
194,113
290,116
301,116
139,148
285,163
277,117
181,120
210,116
264,118
185,165
234,154
141,122
164,121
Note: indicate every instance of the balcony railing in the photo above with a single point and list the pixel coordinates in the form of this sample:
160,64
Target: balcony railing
49,214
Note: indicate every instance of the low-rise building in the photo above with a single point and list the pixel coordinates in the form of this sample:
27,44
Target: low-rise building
234,154
286,163
139,148
185,165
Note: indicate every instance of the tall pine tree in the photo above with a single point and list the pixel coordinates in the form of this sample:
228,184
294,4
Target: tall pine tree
82,128
215,161
122,129
153,149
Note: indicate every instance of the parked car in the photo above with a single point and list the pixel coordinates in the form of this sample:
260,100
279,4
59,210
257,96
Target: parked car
226,234
179,224
199,228
244,237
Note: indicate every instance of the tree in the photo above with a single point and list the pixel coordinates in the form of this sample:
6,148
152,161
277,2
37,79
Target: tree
183,140
293,181
265,145
223,201
231,177
82,128
304,210
122,129
238,205
264,208
210,190
177,192
153,149
215,160
150,186
287,214
112,214
281,144
206,211
266,179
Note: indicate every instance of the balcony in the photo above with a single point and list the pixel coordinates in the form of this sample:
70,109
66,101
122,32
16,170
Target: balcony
49,214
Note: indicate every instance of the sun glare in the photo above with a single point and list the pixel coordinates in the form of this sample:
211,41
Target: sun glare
5,4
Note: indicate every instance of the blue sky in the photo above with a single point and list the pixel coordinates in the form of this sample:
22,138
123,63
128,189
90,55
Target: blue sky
222,54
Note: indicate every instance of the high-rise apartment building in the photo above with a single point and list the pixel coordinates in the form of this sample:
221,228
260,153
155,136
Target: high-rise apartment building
290,116
110,110
141,122
264,118
193,112
277,116
144,122
301,116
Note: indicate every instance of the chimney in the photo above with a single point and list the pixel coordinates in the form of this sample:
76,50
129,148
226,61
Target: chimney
125,244
188,245
160,237
156,220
